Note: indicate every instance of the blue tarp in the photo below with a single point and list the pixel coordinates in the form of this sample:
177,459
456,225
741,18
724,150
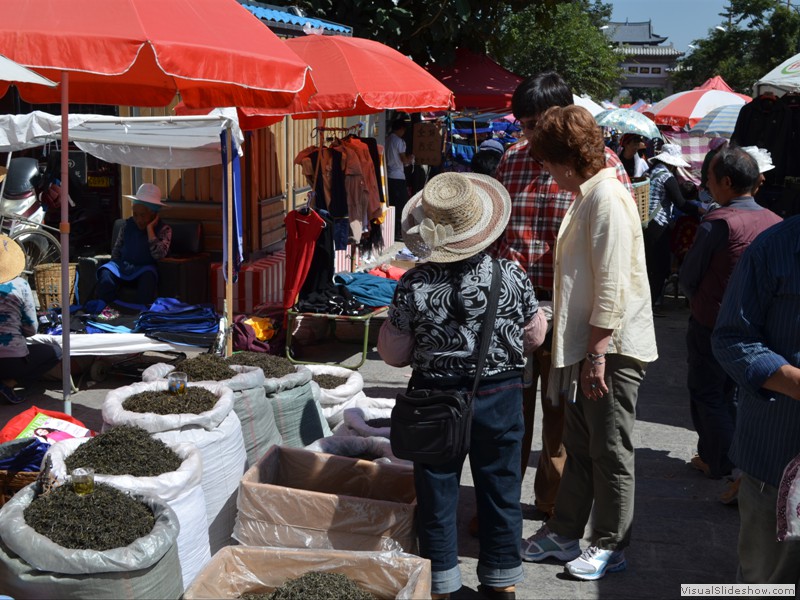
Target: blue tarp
279,16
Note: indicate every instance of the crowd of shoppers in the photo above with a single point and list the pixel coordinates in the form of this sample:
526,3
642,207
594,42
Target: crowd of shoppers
594,272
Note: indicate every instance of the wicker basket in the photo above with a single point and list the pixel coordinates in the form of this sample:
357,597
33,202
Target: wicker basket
48,284
641,192
13,481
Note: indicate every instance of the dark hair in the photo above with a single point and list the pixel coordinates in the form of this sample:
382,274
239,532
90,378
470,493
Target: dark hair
485,162
733,162
399,123
570,136
538,93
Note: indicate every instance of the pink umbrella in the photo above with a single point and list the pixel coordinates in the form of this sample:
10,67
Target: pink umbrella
687,108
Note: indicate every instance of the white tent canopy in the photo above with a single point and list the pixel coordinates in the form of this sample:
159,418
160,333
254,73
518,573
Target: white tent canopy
148,142
587,103
783,79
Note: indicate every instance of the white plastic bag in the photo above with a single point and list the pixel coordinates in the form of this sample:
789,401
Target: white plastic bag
217,434
334,400
181,490
33,566
250,404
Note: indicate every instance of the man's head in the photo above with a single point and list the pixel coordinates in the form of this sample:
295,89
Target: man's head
732,173
399,126
535,95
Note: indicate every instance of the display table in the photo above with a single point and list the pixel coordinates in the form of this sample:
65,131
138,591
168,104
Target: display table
332,320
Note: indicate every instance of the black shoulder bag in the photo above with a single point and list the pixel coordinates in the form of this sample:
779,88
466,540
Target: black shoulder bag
432,426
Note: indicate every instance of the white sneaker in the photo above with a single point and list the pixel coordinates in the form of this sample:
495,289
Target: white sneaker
595,562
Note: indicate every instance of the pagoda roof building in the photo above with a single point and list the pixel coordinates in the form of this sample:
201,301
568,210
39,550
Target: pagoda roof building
645,58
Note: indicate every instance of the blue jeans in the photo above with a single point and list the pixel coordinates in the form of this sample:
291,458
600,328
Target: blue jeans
494,455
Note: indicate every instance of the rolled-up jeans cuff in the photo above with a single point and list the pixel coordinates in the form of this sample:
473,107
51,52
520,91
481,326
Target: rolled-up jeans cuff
500,578
446,582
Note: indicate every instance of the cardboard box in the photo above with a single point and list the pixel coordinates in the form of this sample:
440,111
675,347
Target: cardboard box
295,498
236,570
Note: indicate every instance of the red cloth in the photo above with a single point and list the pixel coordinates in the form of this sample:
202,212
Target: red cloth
302,231
20,422
388,272
537,208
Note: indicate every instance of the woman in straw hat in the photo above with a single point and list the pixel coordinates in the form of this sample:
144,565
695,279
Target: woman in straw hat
665,194
434,325
144,240
18,360
603,338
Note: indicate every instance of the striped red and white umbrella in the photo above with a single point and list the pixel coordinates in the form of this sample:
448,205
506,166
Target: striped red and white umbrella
687,108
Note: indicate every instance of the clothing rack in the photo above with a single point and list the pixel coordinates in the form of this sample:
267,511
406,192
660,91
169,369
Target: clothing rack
352,129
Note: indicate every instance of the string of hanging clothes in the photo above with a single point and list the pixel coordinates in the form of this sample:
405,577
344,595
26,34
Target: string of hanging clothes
345,184
345,207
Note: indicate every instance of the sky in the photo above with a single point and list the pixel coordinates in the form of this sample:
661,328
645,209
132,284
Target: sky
680,21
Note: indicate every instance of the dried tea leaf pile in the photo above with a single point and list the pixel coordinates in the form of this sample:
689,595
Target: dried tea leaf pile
205,367
317,585
125,450
194,401
329,382
273,366
105,519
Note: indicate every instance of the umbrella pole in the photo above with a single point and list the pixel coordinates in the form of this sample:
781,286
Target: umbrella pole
66,377
229,246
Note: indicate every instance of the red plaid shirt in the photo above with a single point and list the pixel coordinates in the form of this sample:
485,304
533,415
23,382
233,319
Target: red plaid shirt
537,209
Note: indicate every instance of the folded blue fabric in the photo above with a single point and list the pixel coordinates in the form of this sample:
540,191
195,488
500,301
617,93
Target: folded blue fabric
170,314
369,290
23,455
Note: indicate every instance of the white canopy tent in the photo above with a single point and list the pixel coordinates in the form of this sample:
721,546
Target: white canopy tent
783,79
147,142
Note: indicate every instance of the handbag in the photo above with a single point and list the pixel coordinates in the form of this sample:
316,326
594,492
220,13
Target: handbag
788,506
431,426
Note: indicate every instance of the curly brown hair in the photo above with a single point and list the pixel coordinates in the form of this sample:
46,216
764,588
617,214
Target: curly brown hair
570,136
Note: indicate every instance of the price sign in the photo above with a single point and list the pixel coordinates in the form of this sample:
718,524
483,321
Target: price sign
427,147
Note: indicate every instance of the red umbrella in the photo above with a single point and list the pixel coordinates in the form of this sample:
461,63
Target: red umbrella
687,108
355,76
143,53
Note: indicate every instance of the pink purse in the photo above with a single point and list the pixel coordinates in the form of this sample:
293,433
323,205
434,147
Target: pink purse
788,507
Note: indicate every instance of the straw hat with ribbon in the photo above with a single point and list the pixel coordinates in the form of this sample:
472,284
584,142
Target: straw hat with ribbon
455,216
12,259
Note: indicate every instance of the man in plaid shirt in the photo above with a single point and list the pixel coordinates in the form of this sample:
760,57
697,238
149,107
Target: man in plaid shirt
537,209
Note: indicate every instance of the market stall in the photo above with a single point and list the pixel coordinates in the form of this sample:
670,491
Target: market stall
154,142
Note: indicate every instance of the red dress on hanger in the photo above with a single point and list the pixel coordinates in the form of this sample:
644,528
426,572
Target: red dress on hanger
302,231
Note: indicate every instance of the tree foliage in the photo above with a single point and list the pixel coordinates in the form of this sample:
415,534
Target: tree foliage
423,29
565,38
761,34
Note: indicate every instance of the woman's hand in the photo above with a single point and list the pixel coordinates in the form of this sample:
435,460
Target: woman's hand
593,383
151,227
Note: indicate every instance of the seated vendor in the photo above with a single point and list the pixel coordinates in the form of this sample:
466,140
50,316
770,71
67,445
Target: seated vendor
143,240
19,361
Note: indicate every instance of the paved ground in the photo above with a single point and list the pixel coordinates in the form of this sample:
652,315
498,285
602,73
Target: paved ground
682,534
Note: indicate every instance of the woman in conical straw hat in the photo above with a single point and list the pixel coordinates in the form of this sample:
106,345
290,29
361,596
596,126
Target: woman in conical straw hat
435,324
19,361
144,240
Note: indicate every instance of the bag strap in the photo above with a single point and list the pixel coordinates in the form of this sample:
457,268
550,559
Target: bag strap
488,325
